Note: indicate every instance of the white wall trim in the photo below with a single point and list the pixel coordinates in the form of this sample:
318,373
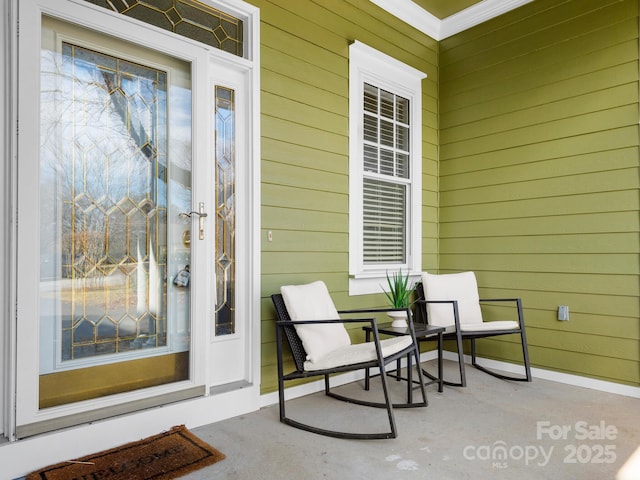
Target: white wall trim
560,377
566,378
428,24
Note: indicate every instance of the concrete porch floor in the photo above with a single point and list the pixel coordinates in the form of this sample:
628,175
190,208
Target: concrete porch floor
492,429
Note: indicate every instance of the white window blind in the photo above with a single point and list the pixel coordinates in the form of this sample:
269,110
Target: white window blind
386,133
384,222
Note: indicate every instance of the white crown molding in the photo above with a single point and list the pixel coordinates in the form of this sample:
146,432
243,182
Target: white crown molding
409,12
476,14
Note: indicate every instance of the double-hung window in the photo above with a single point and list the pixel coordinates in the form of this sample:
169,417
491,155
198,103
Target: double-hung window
385,158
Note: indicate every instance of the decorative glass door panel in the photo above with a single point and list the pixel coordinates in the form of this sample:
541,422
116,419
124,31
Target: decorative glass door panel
225,210
229,355
115,172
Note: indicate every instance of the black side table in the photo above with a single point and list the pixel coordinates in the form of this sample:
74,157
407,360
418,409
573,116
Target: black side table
423,331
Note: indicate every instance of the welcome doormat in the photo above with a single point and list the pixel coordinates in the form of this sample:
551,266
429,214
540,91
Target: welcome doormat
164,456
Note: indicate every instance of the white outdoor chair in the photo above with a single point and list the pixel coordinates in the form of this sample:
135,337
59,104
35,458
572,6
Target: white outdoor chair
452,301
320,346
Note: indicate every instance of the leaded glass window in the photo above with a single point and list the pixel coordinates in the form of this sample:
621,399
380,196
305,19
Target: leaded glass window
189,18
225,266
113,235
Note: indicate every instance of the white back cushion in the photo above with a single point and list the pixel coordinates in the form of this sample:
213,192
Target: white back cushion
313,302
462,287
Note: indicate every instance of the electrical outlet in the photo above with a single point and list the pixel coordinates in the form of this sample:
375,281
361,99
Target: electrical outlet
563,313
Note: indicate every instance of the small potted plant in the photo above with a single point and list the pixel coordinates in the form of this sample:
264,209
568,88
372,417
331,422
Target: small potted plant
398,295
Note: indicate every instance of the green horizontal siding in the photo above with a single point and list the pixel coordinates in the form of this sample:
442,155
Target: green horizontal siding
530,166
562,283
539,184
609,162
304,49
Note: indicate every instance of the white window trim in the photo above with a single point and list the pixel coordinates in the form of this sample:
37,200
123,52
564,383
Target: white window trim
369,65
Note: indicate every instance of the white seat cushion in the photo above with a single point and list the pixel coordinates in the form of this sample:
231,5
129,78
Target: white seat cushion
313,302
358,353
488,326
462,287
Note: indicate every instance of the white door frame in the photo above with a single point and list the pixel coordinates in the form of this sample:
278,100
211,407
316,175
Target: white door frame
7,237
226,350
201,410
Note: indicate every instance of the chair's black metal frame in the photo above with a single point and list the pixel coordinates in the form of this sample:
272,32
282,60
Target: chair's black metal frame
459,335
286,326
421,334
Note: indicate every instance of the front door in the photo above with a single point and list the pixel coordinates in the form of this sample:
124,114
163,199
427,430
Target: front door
127,221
